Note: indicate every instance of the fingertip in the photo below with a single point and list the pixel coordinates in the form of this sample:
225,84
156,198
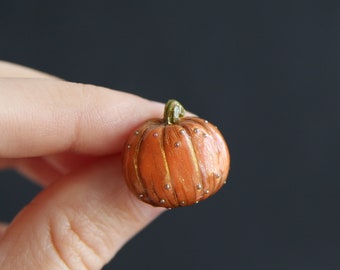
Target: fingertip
146,211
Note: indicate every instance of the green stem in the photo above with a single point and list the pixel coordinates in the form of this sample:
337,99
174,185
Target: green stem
173,112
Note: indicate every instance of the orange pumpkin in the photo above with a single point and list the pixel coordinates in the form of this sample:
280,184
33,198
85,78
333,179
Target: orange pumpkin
175,161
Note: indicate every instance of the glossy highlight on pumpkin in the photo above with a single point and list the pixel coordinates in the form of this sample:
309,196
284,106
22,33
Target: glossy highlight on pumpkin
175,161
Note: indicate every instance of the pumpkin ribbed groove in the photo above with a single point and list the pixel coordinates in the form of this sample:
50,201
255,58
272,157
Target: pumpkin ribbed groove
170,180
200,181
136,162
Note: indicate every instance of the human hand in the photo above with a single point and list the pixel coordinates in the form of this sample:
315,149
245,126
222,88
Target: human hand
68,137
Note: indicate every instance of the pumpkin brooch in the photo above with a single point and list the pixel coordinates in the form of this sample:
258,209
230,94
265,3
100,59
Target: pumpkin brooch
175,161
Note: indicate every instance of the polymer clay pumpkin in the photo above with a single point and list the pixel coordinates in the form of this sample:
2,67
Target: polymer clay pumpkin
175,161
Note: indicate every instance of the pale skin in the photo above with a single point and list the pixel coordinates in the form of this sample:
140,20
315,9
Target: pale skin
68,138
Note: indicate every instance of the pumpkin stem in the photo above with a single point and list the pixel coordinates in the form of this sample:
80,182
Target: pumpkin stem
173,112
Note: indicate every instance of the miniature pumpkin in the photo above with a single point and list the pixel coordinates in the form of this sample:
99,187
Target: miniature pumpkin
175,161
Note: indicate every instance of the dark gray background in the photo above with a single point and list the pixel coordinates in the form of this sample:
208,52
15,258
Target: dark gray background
265,72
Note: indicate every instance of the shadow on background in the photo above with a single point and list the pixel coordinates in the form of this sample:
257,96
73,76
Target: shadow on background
263,71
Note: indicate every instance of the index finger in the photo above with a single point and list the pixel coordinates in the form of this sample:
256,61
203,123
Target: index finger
12,70
42,117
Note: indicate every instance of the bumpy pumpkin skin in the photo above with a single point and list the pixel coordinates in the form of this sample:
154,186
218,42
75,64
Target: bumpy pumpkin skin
173,165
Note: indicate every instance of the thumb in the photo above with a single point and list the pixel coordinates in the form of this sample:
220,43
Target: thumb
79,222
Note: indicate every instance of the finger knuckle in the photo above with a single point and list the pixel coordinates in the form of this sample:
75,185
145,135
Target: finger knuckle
74,240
